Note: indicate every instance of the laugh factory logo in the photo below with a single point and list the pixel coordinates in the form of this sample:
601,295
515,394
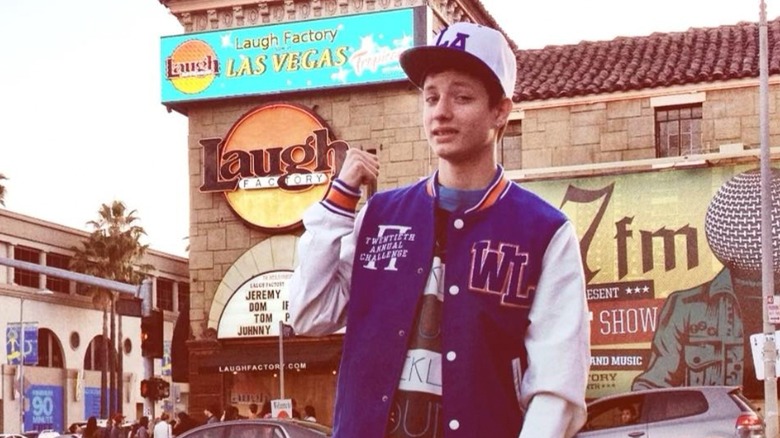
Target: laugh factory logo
276,161
192,66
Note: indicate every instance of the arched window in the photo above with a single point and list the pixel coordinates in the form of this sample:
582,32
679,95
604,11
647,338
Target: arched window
95,358
49,349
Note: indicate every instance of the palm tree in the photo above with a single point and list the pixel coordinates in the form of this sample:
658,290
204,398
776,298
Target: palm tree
112,251
2,190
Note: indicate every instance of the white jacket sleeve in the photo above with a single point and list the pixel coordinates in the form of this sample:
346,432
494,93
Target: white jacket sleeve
558,342
319,287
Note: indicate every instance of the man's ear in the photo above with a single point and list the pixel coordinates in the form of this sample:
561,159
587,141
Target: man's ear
504,108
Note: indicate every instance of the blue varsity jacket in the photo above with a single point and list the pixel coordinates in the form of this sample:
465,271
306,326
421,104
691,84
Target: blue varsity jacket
494,260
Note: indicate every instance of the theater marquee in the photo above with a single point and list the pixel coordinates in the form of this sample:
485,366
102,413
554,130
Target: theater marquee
257,307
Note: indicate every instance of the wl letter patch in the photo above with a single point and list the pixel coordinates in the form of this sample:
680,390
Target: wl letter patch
500,271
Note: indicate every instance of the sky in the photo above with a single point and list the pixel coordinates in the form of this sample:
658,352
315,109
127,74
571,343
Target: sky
83,124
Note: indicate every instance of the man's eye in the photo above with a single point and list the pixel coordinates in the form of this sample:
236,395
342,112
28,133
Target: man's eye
432,99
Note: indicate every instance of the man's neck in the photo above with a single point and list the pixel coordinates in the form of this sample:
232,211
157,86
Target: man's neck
467,176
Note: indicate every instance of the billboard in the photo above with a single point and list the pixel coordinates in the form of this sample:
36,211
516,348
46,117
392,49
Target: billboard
673,274
323,53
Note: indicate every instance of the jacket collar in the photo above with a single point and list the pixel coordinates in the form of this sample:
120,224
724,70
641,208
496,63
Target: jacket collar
496,190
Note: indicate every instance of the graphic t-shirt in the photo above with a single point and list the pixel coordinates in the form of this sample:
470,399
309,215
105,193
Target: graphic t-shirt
417,407
416,410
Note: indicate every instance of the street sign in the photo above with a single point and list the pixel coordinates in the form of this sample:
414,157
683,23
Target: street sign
773,308
281,408
757,348
129,306
13,341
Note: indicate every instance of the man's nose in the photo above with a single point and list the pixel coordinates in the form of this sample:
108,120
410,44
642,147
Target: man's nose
443,109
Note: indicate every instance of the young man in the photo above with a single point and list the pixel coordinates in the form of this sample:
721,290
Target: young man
463,295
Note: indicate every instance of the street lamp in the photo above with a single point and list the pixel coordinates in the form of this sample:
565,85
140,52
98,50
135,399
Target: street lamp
21,358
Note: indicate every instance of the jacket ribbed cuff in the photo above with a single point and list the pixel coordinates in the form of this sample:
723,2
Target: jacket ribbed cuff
342,198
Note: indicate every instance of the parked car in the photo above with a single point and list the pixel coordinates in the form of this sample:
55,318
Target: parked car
259,428
691,412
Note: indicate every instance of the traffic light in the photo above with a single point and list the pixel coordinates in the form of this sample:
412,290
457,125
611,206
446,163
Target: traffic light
155,388
148,389
152,335
163,388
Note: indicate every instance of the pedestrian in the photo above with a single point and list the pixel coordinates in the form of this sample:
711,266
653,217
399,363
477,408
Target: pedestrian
91,429
134,429
309,414
212,413
115,428
267,410
183,423
162,429
463,295
254,410
106,431
143,428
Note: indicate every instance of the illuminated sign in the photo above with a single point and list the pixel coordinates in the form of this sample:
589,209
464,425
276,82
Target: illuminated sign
256,308
324,53
274,163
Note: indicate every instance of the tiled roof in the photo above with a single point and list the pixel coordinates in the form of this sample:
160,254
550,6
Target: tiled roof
633,63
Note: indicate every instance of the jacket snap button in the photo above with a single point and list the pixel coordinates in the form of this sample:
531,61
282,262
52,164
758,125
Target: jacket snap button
454,290
401,333
384,398
459,223
454,424
419,270
451,356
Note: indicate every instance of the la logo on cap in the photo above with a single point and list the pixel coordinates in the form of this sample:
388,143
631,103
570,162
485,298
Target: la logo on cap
458,43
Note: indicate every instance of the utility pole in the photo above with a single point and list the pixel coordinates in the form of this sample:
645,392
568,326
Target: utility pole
145,293
22,347
21,365
281,359
767,262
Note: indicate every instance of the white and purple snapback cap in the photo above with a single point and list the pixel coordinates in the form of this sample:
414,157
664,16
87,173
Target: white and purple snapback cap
465,45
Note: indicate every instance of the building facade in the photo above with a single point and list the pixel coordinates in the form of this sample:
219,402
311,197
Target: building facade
63,332
631,107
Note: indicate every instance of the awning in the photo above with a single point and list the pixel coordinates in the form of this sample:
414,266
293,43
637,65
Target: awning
299,355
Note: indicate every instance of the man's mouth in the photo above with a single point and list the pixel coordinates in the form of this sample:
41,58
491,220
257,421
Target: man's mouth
444,131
